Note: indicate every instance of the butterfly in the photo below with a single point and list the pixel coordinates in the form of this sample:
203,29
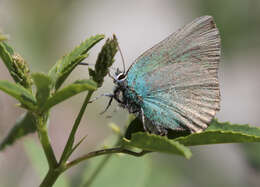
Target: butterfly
174,85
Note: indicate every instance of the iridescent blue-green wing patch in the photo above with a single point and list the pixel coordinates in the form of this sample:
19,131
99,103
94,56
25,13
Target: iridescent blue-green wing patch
177,79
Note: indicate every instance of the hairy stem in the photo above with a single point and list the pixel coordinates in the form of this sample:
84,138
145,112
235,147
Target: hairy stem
104,152
55,169
67,150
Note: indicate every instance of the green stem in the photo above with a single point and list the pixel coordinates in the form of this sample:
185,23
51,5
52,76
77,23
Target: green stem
103,152
53,174
45,142
67,150
50,178
56,169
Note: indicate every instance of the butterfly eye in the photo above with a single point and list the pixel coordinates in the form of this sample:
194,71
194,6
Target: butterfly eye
121,76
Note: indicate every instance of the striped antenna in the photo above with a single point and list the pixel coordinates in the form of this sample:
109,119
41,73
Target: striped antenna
121,54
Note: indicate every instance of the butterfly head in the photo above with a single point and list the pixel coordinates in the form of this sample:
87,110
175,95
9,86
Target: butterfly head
119,77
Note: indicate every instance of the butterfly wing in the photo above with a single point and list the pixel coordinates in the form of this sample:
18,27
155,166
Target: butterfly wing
177,79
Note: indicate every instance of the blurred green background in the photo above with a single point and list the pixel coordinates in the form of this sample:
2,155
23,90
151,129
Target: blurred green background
43,31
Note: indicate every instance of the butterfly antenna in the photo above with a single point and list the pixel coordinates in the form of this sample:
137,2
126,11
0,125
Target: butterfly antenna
121,54
86,64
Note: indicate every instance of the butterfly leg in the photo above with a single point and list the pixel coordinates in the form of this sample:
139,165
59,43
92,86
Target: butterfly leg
161,130
102,95
109,103
151,128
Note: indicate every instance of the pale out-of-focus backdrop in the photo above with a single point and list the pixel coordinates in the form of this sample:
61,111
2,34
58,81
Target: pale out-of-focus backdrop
43,31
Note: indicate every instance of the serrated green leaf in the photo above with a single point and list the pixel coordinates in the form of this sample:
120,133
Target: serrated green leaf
60,71
18,92
216,133
16,65
152,142
226,126
43,85
6,53
24,125
66,73
36,155
222,133
69,91
156,143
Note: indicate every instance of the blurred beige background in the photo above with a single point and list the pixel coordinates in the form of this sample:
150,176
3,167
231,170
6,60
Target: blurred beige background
43,31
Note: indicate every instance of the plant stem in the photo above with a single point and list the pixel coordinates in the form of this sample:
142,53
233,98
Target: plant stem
104,152
56,169
67,150
52,174
50,178
45,142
